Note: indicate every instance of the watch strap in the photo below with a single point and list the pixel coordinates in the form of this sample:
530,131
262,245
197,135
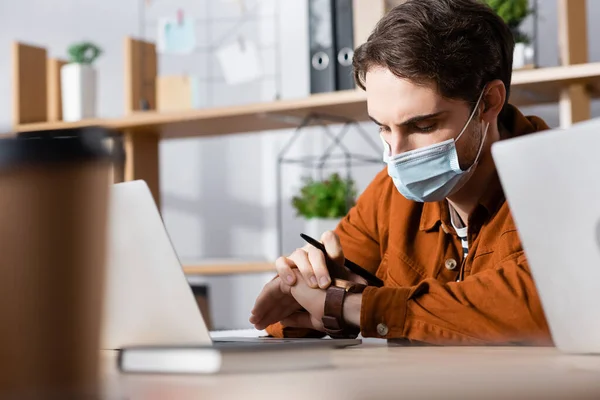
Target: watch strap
333,313
333,316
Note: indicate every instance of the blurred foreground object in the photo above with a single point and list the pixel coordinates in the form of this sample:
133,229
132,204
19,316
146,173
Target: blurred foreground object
53,209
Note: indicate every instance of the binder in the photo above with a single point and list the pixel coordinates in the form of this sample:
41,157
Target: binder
322,46
344,44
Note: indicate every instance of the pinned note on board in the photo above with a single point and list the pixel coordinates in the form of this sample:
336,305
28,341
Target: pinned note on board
176,35
240,61
178,92
240,3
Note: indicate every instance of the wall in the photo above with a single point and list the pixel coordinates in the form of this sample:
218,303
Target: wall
548,54
55,25
218,193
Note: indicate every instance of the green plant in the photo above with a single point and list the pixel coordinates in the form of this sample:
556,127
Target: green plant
84,53
331,198
513,12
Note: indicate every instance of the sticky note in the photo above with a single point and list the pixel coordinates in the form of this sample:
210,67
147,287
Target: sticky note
240,62
175,36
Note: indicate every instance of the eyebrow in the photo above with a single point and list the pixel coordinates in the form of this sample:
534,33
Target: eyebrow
413,120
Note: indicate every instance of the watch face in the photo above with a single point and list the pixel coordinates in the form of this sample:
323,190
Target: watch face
349,286
342,283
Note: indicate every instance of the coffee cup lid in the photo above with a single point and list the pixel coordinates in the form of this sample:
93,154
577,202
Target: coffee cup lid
57,146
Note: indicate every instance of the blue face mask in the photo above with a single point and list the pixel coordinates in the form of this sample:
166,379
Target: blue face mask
431,173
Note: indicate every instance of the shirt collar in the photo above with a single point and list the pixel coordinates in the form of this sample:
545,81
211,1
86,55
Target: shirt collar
516,125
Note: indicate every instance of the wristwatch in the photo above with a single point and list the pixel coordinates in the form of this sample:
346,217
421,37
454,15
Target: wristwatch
333,316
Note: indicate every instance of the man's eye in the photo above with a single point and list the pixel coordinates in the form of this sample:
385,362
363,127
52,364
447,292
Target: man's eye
383,129
425,128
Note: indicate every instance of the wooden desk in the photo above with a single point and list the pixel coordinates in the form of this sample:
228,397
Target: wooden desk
379,372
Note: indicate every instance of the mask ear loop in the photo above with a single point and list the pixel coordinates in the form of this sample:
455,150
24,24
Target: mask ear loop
484,133
481,146
471,117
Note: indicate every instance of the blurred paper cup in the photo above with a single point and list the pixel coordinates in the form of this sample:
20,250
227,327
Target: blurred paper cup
53,210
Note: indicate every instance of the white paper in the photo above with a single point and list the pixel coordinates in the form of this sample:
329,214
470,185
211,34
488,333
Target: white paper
237,6
175,37
240,62
239,3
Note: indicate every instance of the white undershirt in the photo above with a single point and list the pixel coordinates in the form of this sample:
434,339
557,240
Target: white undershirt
462,234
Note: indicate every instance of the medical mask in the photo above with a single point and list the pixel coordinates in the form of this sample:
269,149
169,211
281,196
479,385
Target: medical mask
431,173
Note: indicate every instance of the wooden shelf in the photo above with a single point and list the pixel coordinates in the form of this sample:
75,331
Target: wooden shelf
228,267
543,85
228,120
536,86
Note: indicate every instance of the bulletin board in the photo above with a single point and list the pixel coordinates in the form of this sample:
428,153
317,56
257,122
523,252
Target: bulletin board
224,48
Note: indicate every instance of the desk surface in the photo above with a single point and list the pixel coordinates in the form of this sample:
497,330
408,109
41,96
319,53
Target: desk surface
375,371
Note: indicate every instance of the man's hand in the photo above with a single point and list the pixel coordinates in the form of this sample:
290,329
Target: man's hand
310,261
312,300
276,302
279,302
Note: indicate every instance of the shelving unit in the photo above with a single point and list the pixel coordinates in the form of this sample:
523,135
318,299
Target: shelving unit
228,267
535,86
572,85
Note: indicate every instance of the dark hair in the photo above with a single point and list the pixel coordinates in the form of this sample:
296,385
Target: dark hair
460,45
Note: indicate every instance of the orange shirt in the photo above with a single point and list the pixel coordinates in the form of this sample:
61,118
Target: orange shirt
415,250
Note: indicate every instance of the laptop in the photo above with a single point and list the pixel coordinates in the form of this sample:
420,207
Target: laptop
148,301
551,181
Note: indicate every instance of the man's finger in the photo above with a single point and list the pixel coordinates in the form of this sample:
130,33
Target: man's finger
300,258
333,247
276,314
317,260
299,319
276,310
284,268
270,295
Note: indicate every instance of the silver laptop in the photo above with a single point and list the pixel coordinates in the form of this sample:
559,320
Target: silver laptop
148,300
552,183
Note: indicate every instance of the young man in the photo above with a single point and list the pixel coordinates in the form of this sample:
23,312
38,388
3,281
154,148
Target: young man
434,225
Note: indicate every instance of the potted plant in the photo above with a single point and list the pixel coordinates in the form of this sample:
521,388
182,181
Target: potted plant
324,203
513,12
78,82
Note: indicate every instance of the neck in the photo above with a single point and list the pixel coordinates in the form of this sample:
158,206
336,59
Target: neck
465,200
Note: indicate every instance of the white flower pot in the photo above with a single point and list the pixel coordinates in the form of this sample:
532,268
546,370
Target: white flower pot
78,86
523,56
315,227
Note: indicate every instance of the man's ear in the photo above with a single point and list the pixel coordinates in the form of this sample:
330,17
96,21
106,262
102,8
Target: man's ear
493,100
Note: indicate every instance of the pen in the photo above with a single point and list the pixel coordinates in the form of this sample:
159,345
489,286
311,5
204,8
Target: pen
363,273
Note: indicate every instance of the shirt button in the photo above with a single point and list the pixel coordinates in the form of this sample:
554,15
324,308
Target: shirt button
450,264
382,329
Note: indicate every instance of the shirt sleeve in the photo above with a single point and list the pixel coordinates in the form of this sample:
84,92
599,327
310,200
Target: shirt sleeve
279,331
497,306
359,230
